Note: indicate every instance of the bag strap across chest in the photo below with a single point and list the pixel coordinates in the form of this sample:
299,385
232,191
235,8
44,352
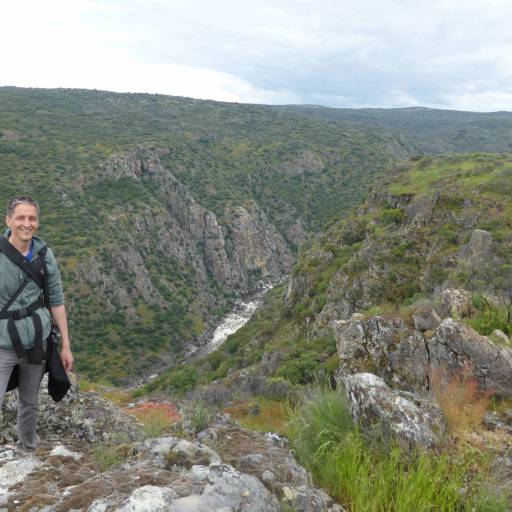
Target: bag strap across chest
29,267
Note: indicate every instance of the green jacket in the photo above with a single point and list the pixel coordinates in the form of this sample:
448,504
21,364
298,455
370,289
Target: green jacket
10,278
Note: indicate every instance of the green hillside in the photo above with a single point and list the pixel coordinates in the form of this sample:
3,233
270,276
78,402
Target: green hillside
133,304
438,222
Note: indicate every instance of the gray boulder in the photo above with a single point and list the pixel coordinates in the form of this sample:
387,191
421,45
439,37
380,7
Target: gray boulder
375,406
405,358
384,346
455,347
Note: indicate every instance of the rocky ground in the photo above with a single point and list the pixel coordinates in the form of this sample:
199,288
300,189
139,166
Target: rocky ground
94,457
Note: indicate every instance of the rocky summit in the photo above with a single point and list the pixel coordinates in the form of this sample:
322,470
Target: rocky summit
224,467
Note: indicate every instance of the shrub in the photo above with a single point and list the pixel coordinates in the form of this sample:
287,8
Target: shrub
216,395
489,317
392,215
276,388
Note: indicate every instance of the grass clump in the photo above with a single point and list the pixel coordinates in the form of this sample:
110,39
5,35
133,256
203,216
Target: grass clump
155,422
263,415
377,476
490,316
108,456
198,415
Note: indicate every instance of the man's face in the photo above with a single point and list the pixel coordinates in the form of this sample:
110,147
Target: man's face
23,222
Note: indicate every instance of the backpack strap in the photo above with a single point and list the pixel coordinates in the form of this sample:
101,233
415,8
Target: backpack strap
45,287
18,259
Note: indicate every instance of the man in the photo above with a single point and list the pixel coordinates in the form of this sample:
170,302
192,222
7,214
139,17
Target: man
30,316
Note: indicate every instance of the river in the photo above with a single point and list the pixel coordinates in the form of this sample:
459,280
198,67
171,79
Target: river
237,318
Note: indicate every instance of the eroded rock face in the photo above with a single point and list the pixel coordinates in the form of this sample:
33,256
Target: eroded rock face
375,406
456,346
386,347
246,245
405,357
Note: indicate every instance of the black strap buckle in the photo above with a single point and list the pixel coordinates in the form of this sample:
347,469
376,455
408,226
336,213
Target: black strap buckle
20,314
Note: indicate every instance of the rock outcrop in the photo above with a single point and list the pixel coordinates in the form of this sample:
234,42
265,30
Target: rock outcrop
383,411
236,252
405,357
224,468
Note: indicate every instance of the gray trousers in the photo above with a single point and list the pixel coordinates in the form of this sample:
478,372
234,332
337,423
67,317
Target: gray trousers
30,376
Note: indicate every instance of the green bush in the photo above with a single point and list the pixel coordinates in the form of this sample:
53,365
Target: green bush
490,317
392,215
299,370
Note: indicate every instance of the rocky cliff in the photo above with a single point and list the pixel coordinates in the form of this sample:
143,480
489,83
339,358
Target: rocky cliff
173,260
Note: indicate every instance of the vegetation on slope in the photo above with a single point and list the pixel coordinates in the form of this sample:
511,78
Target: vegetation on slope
374,475
407,240
55,144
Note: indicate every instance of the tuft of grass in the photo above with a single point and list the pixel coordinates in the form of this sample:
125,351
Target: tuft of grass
462,401
489,317
155,422
198,415
373,476
109,456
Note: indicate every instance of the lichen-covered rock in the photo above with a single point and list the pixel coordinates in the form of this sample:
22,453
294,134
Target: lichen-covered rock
384,346
14,471
266,458
375,406
456,346
86,461
228,489
82,416
59,484
455,303
405,357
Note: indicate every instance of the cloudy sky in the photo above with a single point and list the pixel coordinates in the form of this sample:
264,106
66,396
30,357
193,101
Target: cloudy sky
376,53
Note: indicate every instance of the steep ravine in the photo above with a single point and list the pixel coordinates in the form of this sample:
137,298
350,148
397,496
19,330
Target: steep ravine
178,269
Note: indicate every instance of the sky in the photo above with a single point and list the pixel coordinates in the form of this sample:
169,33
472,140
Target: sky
450,54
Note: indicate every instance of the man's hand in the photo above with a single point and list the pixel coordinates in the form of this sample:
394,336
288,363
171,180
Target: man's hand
67,359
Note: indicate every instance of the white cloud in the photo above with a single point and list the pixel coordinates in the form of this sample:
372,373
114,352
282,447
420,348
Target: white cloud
375,52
